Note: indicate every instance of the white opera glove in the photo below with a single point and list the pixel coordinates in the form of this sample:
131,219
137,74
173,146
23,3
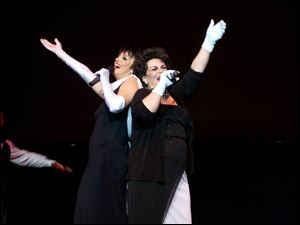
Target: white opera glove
115,103
213,34
165,82
84,72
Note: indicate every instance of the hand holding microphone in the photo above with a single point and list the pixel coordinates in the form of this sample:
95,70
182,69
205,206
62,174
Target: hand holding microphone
104,75
174,76
115,102
167,78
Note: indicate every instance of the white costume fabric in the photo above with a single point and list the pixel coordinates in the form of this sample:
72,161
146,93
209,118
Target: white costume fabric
23,157
180,209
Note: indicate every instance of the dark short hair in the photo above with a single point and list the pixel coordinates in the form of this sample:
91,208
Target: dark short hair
130,52
142,58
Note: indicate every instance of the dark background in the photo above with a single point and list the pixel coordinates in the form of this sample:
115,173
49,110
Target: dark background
245,112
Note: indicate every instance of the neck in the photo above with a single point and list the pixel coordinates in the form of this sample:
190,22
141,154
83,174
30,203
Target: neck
121,76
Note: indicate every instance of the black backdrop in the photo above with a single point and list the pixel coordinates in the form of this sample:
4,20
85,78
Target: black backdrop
245,112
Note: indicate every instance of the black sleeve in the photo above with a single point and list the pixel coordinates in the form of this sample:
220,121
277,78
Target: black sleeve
139,111
187,86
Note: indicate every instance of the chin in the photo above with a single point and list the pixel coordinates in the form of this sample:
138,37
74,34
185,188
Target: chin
117,74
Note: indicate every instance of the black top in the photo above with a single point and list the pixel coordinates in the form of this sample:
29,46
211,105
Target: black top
146,159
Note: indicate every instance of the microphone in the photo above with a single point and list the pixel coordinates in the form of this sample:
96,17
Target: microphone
174,77
97,78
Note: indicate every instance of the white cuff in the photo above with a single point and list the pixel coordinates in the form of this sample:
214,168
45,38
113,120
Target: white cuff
208,44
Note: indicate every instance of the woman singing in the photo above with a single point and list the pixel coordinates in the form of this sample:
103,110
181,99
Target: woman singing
158,188
101,195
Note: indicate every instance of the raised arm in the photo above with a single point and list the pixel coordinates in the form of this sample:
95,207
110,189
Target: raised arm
186,88
213,34
83,71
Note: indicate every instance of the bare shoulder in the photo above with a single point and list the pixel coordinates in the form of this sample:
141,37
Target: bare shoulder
131,82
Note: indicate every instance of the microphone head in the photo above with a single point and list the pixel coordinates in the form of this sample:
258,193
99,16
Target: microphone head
175,76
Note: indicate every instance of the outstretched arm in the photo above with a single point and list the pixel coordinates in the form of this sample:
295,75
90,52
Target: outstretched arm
214,33
26,158
83,71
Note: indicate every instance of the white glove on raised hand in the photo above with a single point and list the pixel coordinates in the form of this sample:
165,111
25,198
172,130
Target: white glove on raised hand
165,82
84,72
213,34
115,103
55,48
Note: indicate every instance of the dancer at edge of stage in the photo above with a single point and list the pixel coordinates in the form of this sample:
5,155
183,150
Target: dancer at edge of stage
10,153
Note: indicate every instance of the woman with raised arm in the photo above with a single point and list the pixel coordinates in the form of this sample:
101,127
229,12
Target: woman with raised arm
158,189
101,195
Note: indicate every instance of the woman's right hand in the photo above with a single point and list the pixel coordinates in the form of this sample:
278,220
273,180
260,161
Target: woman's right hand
60,167
55,48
